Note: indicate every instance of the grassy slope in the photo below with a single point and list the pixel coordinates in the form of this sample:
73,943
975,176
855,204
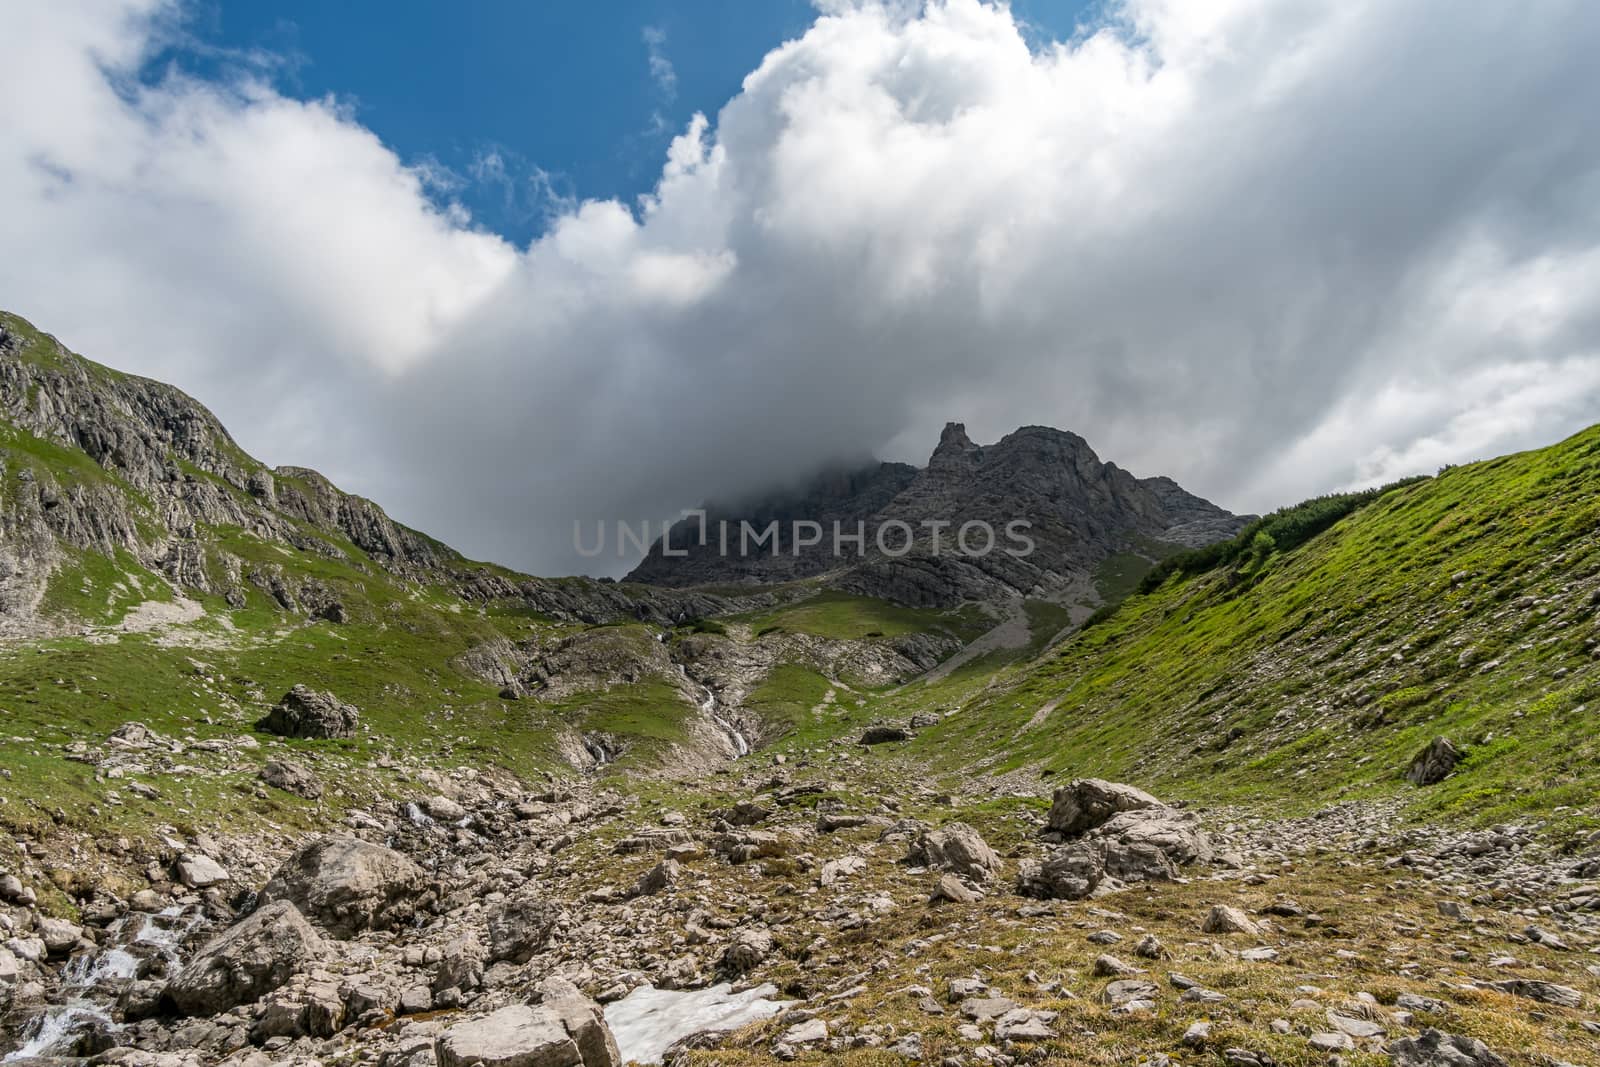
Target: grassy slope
1319,674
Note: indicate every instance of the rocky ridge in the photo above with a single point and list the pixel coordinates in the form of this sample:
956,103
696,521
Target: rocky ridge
1081,512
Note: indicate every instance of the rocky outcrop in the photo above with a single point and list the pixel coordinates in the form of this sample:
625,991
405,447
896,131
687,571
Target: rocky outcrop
347,885
1435,763
307,713
1116,835
245,962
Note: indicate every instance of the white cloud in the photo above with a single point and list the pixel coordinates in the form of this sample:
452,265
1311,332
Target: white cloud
661,69
1268,248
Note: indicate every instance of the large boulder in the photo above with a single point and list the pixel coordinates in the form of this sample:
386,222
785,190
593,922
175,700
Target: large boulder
1135,845
955,847
251,958
1434,763
348,885
307,713
520,927
566,1030
1086,803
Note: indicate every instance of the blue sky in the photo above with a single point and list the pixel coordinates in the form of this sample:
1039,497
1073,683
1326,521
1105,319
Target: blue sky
577,92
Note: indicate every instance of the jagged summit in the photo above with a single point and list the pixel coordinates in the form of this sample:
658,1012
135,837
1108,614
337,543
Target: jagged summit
1079,512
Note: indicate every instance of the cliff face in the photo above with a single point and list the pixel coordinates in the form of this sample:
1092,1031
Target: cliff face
1079,512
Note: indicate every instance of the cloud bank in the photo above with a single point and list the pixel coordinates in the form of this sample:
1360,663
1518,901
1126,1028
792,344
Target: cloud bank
1270,249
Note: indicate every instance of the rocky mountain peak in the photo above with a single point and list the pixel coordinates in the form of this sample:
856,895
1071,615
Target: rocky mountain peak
1082,511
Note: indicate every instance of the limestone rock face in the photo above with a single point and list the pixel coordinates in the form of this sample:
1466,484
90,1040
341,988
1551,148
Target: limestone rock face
307,713
246,961
348,885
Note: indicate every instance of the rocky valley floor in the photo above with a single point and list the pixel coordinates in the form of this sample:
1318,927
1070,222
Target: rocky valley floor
491,921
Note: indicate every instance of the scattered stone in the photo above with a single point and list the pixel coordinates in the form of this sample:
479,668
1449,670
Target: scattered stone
954,890
199,871
519,1035
748,949
662,876
1106,966
1025,1024
1357,1028
1086,803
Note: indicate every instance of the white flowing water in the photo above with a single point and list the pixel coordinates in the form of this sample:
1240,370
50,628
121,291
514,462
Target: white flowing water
55,1029
708,708
648,1021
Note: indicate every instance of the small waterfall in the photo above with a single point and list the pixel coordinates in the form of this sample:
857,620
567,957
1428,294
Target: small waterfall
57,1031
708,708
598,750
134,939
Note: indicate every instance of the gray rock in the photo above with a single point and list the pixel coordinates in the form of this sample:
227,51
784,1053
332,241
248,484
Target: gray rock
308,713
291,777
199,871
1226,919
1085,803
748,949
348,885
520,1035
246,961
583,1020
810,1032
520,927
1434,1048
1434,763
460,965
1140,845
1025,1024
59,935
958,848
1126,990
1356,1028
663,875
1544,992
954,890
